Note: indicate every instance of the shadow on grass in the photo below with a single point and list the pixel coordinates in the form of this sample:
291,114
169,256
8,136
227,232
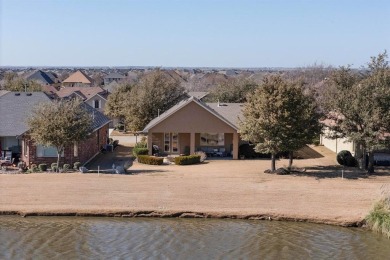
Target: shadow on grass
329,172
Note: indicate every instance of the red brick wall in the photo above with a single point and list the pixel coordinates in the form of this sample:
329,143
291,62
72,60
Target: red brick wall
86,150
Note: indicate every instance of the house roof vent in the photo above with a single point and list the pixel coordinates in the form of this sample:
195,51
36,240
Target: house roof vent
17,94
28,94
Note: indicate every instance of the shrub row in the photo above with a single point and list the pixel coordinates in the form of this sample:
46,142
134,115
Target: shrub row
187,160
152,160
140,151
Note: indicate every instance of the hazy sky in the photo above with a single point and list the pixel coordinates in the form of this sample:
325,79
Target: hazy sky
195,33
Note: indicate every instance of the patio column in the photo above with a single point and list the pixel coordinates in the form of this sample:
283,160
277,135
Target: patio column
150,146
192,143
235,146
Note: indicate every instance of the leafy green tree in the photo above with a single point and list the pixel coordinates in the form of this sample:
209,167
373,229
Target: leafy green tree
359,106
59,124
232,91
280,117
138,105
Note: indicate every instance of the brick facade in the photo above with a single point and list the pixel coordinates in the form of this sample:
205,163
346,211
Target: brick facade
85,149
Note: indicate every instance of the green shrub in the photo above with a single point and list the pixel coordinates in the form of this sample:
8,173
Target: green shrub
66,167
34,168
42,167
152,160
379,217
22,166
54,167
345,158
76,165
141,145
187,160
140,151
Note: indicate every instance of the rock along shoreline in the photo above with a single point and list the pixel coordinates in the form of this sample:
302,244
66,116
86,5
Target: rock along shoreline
188,214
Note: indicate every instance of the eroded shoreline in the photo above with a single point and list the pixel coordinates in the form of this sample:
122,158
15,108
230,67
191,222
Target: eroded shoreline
187,214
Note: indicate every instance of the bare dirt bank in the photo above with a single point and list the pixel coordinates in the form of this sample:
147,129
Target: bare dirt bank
218,189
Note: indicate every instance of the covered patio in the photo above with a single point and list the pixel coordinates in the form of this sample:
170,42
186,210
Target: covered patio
192,126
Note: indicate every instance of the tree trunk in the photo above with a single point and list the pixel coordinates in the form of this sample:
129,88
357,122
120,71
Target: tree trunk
273,163
370,168
291,158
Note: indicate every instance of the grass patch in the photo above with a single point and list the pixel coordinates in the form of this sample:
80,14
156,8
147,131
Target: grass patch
378,219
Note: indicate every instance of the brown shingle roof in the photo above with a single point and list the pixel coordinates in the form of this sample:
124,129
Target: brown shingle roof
86,93
78,77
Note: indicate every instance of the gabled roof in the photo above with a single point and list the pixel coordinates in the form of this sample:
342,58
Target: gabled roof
78,77
114,76
198,94
230,120
15,108
85,93
41,77
231,111
99,119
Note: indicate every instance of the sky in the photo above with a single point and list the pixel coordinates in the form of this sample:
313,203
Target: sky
214,33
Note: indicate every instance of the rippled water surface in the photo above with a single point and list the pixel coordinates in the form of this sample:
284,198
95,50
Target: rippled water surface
112,238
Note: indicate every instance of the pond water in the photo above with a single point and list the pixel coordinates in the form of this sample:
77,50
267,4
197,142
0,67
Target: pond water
154,238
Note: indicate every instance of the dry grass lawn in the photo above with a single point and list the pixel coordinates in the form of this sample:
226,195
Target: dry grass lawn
217,187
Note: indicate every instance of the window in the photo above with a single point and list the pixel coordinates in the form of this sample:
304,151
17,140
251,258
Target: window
47,151
167,142
171,142
96,103
175,142
212,139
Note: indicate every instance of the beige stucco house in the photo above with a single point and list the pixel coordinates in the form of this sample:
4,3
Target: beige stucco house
192,126
336,144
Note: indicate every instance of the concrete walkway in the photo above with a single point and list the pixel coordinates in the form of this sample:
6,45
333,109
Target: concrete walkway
105,161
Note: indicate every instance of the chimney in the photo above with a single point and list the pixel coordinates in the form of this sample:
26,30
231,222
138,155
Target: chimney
218,105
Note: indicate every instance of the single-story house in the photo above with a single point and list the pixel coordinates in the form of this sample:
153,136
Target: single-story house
78,152
15,108
192,125
337,144
14,131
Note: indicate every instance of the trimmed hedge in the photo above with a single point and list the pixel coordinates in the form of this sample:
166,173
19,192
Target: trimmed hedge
187,160
140,151
42,167
66,167
76,165
152,160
